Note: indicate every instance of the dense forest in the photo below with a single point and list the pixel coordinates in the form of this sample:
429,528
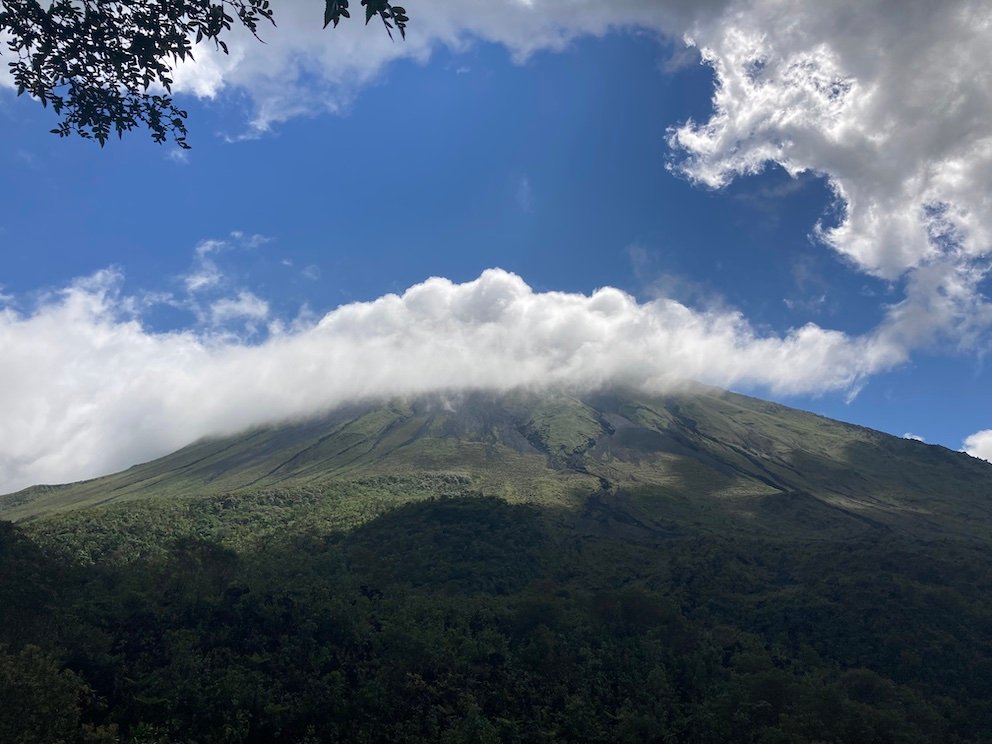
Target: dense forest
456,617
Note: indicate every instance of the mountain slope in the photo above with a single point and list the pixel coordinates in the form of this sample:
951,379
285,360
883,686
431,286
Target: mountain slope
706,458
694,567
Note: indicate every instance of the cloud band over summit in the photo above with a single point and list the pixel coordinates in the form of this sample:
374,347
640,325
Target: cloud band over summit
87,389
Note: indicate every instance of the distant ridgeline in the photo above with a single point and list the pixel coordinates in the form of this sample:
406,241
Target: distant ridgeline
521,567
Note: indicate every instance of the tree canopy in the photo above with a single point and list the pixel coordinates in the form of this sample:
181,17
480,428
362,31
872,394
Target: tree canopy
106,66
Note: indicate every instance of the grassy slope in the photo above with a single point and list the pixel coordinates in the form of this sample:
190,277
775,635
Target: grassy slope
710,459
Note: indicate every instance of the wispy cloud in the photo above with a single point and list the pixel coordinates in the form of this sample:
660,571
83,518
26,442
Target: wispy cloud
525,194
204,273
246,305
180,157
214,297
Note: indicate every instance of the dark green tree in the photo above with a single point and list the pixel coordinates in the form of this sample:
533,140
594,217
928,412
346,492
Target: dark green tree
40,701
106,65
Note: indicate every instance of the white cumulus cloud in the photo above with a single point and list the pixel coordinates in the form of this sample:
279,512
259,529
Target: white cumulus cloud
890,101
87,389
979,444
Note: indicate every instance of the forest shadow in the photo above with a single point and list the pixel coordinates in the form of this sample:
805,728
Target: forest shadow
471,619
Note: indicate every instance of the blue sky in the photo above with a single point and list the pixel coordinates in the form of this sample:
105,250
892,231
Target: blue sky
559,168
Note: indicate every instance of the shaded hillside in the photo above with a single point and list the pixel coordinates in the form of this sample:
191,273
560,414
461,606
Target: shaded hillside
468,619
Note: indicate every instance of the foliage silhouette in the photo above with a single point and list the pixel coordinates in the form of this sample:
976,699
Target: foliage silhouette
106,66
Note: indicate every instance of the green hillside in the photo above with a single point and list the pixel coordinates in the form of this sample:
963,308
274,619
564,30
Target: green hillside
699,567
707,457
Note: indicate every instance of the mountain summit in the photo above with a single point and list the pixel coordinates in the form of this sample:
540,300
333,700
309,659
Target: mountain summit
706,459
